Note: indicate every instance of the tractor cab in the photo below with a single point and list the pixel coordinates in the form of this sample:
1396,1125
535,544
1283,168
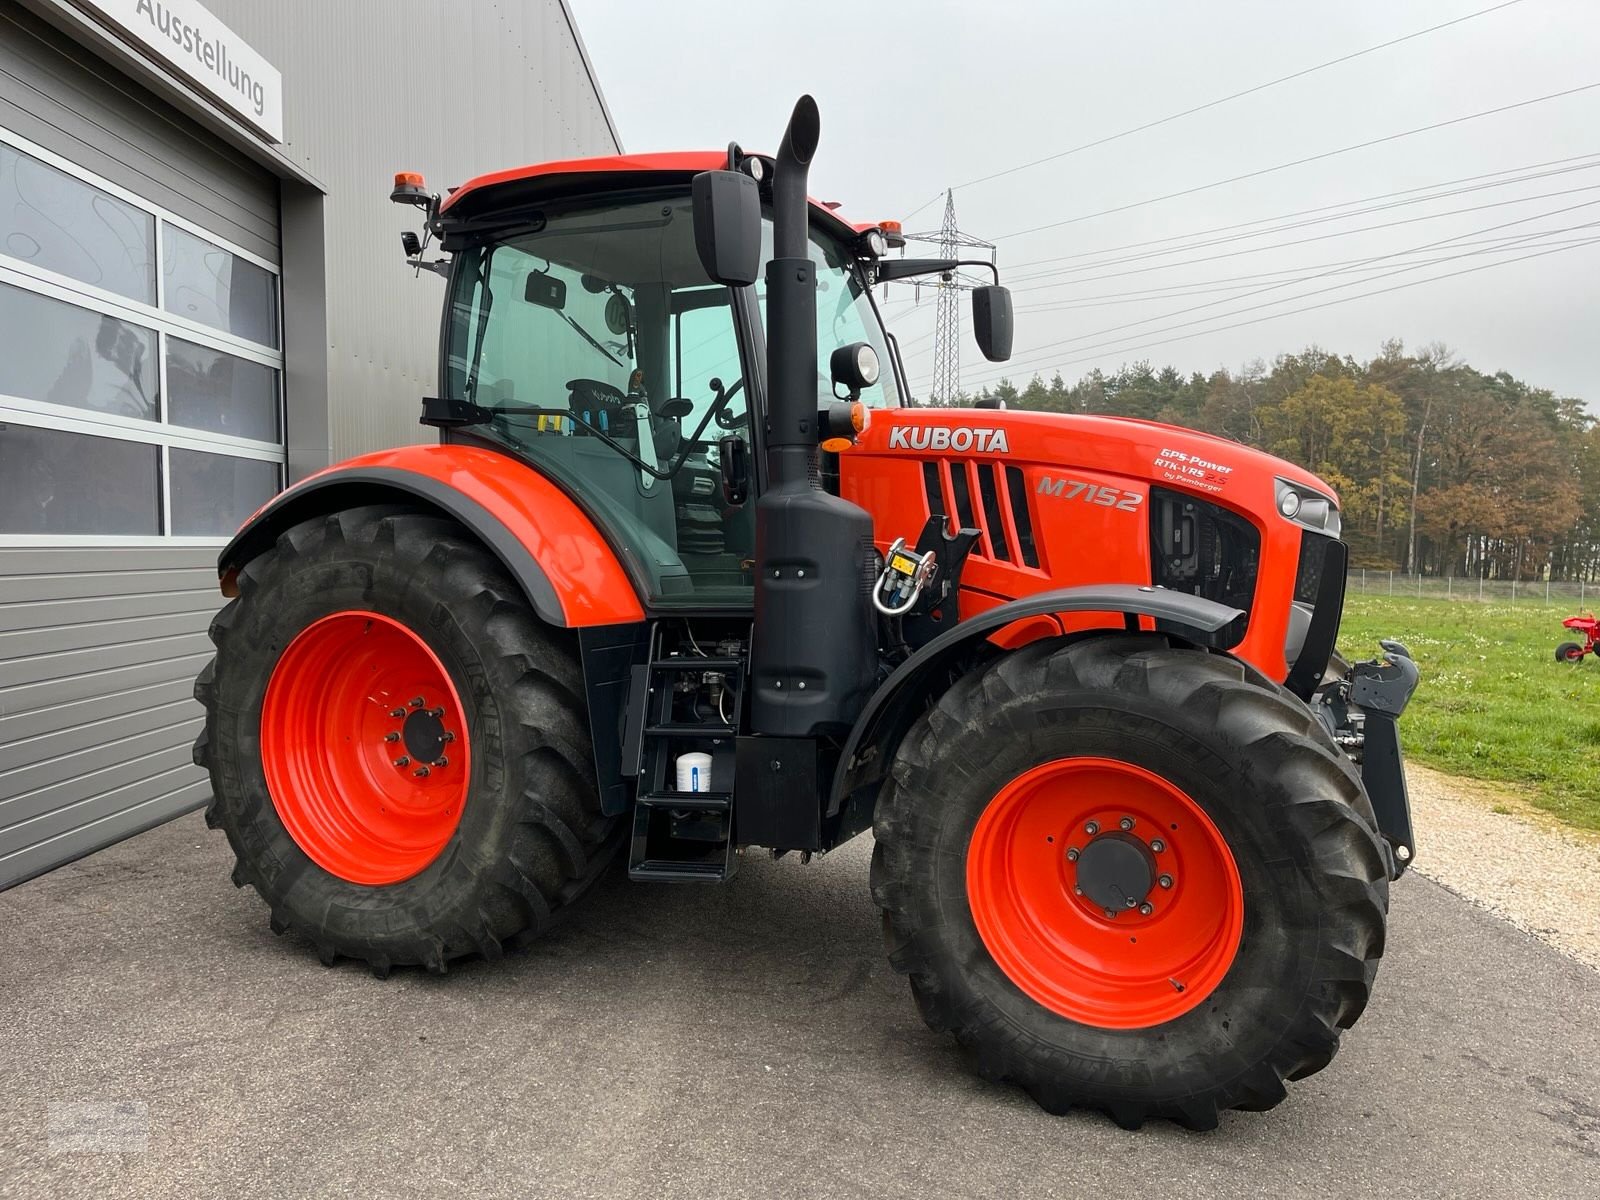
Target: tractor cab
583,334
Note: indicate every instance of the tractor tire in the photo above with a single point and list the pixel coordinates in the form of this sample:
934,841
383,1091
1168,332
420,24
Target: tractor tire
1131,876
399,749
1568,652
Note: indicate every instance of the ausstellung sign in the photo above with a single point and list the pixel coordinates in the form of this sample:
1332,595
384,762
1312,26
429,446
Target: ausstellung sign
185,36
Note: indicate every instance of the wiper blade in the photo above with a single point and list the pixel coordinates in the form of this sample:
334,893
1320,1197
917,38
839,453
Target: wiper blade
584,334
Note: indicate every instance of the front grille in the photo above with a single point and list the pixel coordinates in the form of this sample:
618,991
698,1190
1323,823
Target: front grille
991,511
1308,576
1017,489
1203,549
1006,528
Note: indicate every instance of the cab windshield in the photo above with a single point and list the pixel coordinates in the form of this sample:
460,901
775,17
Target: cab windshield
615,364
845,314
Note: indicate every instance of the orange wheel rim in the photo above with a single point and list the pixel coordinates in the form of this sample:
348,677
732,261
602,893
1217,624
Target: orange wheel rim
1104,892
364,747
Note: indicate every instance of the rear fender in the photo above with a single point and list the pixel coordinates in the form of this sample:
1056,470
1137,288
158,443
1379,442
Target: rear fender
905,695
569,572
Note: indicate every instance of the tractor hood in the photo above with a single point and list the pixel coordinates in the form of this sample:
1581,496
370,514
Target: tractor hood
1234,474
1058,500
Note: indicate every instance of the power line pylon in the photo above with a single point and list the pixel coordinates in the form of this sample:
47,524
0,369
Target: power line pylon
947,319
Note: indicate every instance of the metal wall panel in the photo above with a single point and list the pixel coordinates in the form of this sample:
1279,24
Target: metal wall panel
55,93
377,86
98,652
99,646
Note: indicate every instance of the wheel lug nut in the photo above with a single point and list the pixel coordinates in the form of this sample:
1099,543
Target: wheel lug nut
441,761
391,737
421,772
447,736
1077,891
1165,881
1072,854
417,702
1146,909
1158,845
398,713
1091,828
436,712
1126,823
1111,914
402,761
1132,903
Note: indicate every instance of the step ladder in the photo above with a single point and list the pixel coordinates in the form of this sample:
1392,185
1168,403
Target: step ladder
682,836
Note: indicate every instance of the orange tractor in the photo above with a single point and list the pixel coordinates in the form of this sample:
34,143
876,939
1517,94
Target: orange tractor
686,574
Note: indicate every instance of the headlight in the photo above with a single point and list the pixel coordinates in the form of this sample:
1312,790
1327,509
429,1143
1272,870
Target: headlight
1307,508
867,364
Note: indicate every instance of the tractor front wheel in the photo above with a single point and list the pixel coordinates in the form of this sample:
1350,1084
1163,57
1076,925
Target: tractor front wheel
1132,876
1569,652
399,749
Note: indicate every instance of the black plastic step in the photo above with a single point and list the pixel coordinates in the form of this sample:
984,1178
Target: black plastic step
653,870
690,729
709,801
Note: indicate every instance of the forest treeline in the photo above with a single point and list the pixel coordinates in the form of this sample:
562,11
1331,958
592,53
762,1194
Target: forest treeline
1441,468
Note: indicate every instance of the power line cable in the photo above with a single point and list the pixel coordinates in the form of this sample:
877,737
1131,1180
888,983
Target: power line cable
1310,158
1278,224
1314,307
1115,345
1212,286
1321,237
1198,108
1272,287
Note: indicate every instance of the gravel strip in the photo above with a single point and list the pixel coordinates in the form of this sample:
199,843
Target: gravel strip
1494,849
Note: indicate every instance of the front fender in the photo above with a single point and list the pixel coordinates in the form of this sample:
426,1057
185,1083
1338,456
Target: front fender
902,697
567,569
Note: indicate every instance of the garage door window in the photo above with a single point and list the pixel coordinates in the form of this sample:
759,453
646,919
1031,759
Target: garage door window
141,369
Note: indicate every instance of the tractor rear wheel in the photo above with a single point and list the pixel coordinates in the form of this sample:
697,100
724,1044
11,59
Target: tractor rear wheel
399,749
1132,876
1568,652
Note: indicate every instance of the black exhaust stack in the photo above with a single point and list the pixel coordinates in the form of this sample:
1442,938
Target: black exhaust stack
814,660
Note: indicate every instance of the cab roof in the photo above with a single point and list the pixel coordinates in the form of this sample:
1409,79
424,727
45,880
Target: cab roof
541,182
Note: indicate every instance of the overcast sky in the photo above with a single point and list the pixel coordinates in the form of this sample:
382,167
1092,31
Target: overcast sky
917,97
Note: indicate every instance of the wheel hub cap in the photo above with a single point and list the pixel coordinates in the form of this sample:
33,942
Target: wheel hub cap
1116,871
424,734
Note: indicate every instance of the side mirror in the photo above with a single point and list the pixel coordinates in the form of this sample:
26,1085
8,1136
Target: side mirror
735,455
727,226
991,321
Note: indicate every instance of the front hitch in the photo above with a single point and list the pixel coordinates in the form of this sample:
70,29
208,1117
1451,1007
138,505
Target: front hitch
1362,711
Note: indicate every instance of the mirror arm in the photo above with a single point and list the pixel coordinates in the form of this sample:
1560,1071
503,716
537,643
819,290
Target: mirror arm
891,269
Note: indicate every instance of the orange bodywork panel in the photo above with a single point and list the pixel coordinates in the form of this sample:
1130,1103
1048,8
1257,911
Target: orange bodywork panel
582,570
1064,500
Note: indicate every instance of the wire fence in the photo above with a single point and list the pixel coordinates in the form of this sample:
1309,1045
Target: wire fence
1501,591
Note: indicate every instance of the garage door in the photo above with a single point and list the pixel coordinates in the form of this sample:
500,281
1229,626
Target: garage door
141,369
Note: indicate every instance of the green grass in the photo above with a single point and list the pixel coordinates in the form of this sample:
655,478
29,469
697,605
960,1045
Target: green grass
1493,703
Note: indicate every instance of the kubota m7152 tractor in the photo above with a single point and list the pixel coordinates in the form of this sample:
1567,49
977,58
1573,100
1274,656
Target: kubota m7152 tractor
686,574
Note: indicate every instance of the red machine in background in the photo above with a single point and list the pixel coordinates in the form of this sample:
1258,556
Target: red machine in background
1587,625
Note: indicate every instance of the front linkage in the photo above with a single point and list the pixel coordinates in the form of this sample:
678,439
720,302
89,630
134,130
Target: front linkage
1361,709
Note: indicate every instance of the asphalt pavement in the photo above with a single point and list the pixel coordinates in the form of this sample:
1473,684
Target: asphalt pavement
744,1040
